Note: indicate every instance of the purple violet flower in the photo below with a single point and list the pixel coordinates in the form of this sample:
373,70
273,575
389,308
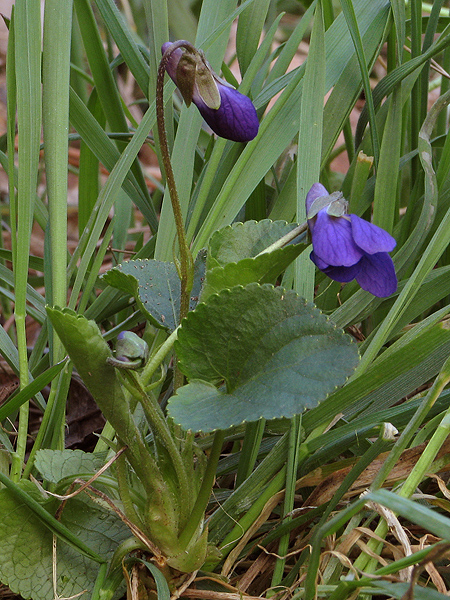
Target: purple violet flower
346,247
234,117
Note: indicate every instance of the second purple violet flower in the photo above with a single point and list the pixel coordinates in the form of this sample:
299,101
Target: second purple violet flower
346,247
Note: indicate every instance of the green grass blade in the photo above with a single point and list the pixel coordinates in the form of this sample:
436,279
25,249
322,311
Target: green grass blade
106,86
385,206
158,30
125,41
352,23
107,153
182,20
87,244
429,258
250,25
399,14
291,45
88,173
27,39
391,376
388,83
55,99
310,154
30,390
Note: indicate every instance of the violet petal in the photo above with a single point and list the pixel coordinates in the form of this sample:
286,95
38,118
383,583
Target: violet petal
370,237
333,242
377,275
341,274
235,120
172,63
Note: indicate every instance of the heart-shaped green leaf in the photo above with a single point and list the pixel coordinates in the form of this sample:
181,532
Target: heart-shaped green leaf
54,465
264,268
244,240
257,352
156,287
26,556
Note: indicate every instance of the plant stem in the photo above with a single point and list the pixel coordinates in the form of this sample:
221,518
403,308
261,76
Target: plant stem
288,502
283,241
186,261
128,506
154,362
161,433
198,512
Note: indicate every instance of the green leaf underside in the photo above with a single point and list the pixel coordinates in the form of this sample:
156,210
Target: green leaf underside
272,354
89,353
156,287
84,343
26,546
244,240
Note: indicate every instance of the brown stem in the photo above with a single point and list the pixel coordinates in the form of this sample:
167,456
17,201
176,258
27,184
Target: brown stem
186,261
186,266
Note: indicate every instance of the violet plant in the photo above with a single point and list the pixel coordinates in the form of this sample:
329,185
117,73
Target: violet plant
224,418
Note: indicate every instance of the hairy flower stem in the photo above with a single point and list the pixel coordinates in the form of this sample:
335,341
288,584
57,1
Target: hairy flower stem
198,512
161,434
186,265
286,239
156,359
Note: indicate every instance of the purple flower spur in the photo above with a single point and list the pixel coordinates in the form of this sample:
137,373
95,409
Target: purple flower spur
346,247
229,113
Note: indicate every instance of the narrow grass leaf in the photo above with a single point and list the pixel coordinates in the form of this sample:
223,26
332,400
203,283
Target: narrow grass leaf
106,86
30,390
249,29
310,153
125,41
88,172
55,101
385,204
404,368
388,83
162,588
429,258
352,23
399,14
108,154
91,235
291,45
27,41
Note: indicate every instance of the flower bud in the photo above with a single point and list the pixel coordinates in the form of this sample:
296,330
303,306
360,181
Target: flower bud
131,349
229,113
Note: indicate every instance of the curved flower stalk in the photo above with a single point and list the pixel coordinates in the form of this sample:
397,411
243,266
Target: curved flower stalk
229,113
346,247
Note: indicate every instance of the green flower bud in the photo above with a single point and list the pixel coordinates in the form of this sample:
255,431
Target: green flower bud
131,351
